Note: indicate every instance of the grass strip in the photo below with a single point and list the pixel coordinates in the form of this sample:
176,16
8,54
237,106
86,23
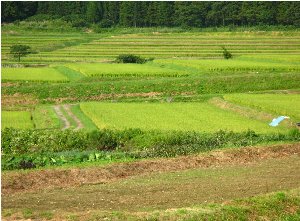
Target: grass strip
85,120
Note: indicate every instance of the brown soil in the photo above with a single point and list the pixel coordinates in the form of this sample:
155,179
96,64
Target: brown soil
13,182
17,99
105,96
9,84
162,191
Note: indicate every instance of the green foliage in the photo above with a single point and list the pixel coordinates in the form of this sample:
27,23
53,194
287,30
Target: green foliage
106,23
143,14
226,53
38,148
18,51
130,58
196,85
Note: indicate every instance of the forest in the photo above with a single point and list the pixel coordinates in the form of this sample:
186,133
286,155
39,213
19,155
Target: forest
153,13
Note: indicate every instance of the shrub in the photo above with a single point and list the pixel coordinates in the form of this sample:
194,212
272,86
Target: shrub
130,58
226,54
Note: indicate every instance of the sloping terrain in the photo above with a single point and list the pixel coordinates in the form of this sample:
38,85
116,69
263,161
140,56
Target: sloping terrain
159,184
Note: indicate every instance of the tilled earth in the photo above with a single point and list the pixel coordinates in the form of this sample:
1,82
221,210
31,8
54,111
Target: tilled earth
13,182
149,185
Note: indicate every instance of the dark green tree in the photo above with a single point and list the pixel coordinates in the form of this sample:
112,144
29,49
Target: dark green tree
94,12
127,14
18,51
152,18
166,13
190,14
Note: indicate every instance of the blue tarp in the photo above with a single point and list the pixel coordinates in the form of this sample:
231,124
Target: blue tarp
277,120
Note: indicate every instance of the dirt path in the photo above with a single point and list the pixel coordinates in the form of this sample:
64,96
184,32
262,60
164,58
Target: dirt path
66,122
73,116
13,182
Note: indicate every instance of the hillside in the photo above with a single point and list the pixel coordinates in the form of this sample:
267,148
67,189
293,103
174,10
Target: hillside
182,135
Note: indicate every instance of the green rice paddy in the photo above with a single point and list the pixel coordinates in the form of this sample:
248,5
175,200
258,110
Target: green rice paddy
93,47
103,69
75,75
16,119
169,116
32,74
281,104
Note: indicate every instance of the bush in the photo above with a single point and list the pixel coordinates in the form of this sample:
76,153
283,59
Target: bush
22,149
226,54
130,58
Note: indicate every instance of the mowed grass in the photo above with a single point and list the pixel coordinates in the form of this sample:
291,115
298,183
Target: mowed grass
16,119
107,70
32,74
170,116
44,117
281,104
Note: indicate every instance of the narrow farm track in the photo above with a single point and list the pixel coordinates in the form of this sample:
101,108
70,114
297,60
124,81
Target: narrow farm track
57,109
73,116
14,182
64,119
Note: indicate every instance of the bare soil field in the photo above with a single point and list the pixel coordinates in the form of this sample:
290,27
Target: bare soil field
158,184
33,180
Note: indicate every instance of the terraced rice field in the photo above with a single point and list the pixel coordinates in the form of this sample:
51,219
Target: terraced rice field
38,41
32,74
281,104
96,47
170,116
16,119
191,45
242,63
114,70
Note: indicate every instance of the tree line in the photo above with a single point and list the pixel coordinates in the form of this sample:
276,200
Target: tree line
154,13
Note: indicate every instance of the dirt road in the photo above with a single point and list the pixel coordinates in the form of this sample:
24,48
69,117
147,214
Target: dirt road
66,122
